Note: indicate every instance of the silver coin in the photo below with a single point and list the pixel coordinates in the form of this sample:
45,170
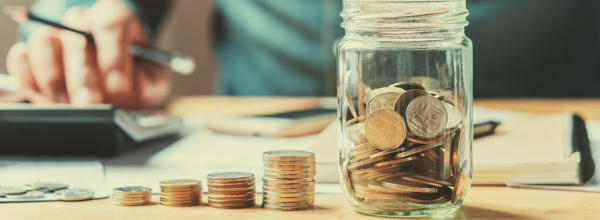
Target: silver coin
288,155
231,175
426,117
132,189
74,194
47,186
454,116
12,190
28,195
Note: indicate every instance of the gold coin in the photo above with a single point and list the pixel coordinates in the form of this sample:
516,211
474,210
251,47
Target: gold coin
289,204
356,165
415,180
426,117
385,129
128,203
272,199
179,204
363,155
406,186
361,193
285,172
391,167
289,163
417,150
179,183
289,181
454,150
406,98
385,153
408,86
383,99
429,179
462,184
288,190
295,185
232,206
289,194
395,162
288,176
361,148
291,166
355,120
418,140
279,208
380,91
289,155
229,177
356,133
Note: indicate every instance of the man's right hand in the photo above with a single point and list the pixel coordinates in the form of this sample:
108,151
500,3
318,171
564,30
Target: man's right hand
61,66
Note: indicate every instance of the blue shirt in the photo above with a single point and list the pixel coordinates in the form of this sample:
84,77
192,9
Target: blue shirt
522,48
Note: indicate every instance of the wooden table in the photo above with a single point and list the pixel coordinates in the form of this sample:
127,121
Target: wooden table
482,202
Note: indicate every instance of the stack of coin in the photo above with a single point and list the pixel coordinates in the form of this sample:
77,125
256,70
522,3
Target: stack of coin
180,192
131,195
406,147
231,190
289,180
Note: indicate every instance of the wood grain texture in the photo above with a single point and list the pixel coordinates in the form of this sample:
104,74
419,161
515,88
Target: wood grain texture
482,202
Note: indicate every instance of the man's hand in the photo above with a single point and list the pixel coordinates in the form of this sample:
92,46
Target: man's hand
61,66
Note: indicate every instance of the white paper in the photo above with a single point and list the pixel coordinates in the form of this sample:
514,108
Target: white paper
76,174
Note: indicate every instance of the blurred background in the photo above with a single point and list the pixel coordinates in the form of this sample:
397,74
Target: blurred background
522,48
186,29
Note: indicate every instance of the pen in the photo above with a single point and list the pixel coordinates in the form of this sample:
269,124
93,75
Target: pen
485,128
177,63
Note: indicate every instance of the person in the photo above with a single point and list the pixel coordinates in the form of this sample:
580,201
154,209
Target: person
522,48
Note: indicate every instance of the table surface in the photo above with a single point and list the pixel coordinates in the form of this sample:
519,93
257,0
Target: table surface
482,202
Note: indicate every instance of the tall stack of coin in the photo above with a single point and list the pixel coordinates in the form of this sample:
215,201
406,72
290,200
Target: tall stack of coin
131,195
289,180
231,190
180,192
405,148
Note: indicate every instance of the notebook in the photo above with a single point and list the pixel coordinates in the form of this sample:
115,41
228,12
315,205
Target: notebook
538,149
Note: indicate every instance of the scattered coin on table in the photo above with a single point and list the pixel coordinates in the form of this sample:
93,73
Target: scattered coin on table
74,194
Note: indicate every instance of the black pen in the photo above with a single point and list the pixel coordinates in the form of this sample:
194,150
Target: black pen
177,63
485,128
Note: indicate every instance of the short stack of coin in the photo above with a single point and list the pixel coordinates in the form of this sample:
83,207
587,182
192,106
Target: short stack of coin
180,192
289,180
231,190
131,195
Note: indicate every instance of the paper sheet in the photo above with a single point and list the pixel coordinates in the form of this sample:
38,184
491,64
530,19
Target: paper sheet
76,174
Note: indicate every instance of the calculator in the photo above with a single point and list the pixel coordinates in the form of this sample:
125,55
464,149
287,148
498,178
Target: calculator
65,130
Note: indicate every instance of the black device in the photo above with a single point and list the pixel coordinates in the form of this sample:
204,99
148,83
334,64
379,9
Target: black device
61,129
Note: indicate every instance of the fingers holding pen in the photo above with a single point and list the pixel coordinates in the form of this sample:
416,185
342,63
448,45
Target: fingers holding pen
79,59
18,65
45,57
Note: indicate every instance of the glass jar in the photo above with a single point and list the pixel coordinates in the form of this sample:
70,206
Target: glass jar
405,102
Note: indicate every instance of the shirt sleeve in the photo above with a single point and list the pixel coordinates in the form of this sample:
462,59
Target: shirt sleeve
149,12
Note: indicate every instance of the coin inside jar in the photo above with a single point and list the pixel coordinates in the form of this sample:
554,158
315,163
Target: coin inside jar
385,129
383,98
406,98
426,117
